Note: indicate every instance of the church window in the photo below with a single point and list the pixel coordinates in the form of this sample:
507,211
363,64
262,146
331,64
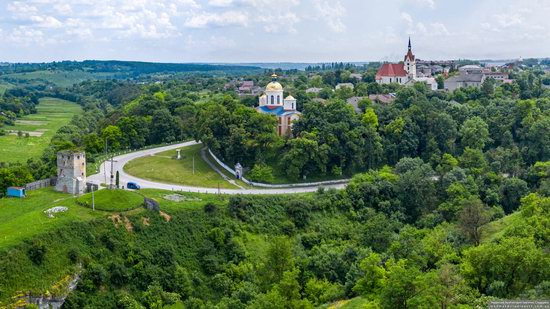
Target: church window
292,105
272,100
278,99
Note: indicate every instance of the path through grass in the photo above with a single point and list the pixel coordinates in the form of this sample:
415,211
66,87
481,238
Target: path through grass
52,115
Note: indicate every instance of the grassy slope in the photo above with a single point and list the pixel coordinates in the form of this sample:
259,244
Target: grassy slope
52,115
163,168
113,200
354,303
496,228
21,219
75,230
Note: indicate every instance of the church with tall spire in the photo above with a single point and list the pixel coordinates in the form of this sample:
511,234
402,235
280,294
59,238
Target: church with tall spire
403,73
400,73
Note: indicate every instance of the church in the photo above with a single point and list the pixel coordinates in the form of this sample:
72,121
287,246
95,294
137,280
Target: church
400,73
272,102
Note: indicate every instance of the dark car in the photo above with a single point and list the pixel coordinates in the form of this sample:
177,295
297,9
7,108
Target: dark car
133,185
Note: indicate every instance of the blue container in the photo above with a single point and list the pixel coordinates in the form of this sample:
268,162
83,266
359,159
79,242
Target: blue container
16,192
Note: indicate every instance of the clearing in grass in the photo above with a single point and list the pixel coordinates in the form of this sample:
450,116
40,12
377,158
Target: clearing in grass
112,200
52,114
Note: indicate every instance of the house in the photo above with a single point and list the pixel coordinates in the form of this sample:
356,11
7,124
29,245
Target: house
464,79
499,76
357,76
16,192
470,69
430,82
382,98
313,90
354,101
342,85
272,102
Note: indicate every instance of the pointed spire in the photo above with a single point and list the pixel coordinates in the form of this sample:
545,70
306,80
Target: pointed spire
409,42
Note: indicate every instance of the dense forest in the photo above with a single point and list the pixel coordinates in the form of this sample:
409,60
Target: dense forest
448,205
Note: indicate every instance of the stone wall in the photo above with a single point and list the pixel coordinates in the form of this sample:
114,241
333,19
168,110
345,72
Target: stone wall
39,184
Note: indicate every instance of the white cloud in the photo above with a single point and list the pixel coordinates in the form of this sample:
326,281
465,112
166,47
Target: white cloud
332,12
425,3
207,20
46,21
220,3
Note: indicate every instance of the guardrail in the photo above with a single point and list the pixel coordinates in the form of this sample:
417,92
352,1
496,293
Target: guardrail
274,186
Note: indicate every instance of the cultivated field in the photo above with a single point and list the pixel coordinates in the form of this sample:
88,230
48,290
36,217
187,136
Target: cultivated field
42,126
162,167
59,78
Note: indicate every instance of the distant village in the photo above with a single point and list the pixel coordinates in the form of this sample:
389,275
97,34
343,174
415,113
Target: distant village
438,75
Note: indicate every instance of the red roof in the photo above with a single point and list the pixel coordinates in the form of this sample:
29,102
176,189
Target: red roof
409,55
391,70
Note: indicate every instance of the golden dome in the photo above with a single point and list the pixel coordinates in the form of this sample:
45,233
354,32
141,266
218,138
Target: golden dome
290,98
274,86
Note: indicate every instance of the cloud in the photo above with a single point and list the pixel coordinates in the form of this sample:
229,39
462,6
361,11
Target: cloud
220,3
424,3
208,20
332,12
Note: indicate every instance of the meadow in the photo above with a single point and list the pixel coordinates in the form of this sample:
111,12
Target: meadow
164,168
112,200
4,87
51,115
24,218
59,78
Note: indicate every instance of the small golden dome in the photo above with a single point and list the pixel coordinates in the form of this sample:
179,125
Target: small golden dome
290,98
274,86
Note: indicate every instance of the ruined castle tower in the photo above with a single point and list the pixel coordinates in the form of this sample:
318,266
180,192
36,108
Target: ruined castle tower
71,172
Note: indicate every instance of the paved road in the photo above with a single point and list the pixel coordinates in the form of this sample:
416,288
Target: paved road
121,160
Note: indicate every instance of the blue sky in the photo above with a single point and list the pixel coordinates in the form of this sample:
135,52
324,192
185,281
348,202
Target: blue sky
271,30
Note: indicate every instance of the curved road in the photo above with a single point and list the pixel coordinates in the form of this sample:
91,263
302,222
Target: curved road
120,161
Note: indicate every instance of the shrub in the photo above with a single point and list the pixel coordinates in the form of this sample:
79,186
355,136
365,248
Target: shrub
261,173
37,252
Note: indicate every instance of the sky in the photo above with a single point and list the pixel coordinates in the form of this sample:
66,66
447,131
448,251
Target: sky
238,31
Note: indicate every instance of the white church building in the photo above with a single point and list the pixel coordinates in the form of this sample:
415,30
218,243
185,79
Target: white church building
285,109
403,73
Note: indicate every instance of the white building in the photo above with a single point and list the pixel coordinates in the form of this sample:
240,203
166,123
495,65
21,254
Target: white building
285,109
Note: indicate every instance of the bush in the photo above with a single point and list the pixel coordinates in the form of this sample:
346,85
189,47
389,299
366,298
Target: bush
37,252
261,173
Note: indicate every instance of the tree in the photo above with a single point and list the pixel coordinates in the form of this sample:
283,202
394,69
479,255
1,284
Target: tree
374,277
165,128
112,136
474,133
370,119
511,192
279,259
472,217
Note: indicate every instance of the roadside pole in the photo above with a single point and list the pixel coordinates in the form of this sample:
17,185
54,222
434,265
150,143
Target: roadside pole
93,199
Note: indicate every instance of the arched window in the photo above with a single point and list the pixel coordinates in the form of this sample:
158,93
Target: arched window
278,99
292,105
272,100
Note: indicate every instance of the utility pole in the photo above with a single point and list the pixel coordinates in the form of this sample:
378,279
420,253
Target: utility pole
112,176
105,162
93,199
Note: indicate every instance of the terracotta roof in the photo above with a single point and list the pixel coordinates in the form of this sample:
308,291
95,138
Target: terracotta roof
391,70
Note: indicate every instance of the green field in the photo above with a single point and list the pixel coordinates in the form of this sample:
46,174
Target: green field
23,218
112,200
52,115
162,167
4,87
59,78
